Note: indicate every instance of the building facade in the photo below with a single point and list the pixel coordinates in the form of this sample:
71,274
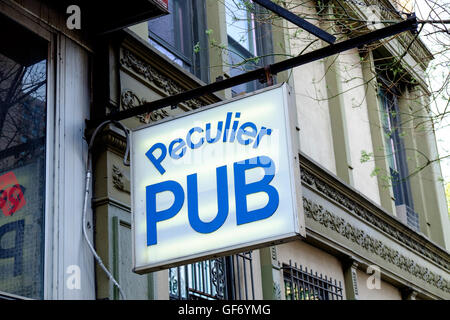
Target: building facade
376,227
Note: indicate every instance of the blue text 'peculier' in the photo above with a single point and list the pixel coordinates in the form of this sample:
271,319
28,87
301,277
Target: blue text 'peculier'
228,131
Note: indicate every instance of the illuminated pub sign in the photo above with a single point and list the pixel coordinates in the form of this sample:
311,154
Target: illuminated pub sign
216,181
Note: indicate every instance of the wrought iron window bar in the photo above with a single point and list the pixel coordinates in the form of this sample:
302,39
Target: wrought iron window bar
300,284
225,278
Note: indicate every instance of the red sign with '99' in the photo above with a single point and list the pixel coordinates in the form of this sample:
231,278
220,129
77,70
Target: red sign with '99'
164,3
11,194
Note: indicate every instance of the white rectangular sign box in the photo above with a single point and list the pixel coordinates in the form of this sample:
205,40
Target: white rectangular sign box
216,181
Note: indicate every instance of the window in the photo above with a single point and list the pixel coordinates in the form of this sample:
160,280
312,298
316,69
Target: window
395,152
181,36
226,278
300,284
248,40
23,99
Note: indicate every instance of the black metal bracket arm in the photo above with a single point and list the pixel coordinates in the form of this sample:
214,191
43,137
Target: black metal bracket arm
299,22
410,24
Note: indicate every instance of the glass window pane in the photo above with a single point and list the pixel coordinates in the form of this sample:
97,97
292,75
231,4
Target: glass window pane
169,54
23,87
240,24
236,57
242,51
388,129
174,31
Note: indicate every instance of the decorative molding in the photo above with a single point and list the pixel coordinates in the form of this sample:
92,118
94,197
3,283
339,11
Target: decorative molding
129,100
168,86
113,140
371,244
110,201
120,182
312,181
276,290
354,282
273,251
416,47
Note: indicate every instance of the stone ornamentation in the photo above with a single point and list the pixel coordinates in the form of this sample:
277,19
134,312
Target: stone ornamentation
168,86
337,224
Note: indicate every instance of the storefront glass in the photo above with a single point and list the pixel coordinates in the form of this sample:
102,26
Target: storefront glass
23,96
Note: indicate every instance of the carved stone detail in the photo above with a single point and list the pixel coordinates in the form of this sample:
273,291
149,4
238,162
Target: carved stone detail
152,75
129,100
276,288
273,251
371,244
316,183
119,181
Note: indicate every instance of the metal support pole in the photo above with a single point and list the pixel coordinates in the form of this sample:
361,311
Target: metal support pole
299,22
409,24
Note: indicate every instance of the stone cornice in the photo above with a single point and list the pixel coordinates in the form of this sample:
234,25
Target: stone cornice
155,70
110,139
331,187
420,52
162,83
372,244
416,60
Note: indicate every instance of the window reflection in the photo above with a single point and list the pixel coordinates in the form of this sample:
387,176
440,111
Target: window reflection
240,24
181,36
242,46
172,33
23,90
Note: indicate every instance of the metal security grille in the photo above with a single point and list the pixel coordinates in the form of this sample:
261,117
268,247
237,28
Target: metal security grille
300,284
226,278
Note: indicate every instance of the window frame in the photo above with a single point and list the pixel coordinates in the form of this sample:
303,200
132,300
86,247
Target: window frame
46,33
198,62
401,185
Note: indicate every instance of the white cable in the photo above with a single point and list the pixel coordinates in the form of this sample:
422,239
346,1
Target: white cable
86,197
